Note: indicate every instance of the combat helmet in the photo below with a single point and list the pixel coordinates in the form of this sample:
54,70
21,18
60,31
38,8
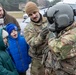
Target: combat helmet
60,16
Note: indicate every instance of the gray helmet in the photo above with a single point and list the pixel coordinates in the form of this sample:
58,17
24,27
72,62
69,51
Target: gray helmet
60,16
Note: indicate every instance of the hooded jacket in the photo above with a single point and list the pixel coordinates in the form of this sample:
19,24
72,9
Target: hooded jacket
6,64
18,49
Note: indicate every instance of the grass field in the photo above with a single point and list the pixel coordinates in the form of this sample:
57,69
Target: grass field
16,14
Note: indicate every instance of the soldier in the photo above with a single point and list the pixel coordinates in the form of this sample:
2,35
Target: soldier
63,44
36,36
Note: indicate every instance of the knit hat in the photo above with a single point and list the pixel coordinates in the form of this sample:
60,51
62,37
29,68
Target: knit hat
10,27
4,33
30,7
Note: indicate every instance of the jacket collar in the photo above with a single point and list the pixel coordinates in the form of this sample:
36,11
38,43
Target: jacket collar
44,19
68,28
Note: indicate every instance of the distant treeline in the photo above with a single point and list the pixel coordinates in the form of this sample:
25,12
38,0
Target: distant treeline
13,5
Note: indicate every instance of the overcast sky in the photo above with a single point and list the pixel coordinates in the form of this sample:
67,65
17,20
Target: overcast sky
67,1
70,1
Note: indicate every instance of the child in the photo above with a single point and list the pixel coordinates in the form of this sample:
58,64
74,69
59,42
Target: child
18,49
7,66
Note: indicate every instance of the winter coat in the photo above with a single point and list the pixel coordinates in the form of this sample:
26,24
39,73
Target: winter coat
63,51
18,49
32,34
9,19
7,66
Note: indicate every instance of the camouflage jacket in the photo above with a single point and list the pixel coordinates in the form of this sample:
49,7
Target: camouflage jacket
32,35
65,45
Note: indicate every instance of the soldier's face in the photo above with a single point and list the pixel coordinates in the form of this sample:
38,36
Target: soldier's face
1,12
35,16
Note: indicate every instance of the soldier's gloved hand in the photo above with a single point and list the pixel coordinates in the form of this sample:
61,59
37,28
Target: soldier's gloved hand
44,32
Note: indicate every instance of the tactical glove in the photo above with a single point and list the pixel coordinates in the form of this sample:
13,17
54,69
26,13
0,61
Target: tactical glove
44,32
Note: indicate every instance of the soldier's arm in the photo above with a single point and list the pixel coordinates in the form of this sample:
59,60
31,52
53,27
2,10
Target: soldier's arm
64,44
32,38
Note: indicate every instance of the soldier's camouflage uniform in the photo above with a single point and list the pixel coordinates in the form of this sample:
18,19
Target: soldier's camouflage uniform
37,45
62,54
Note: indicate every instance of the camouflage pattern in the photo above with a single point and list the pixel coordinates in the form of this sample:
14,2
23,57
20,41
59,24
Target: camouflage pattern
37,45
31,33
49,71
62,54
36,67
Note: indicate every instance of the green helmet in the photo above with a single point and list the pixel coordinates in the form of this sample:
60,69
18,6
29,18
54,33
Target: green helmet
60,16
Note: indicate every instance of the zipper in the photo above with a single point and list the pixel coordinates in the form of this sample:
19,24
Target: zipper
19,53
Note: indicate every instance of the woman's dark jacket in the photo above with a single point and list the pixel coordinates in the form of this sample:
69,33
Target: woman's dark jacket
10,19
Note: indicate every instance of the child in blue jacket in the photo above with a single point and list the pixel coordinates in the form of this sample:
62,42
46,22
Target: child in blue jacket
18,49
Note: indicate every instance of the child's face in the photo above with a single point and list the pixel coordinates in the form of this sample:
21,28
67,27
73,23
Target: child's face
14,34
5,40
